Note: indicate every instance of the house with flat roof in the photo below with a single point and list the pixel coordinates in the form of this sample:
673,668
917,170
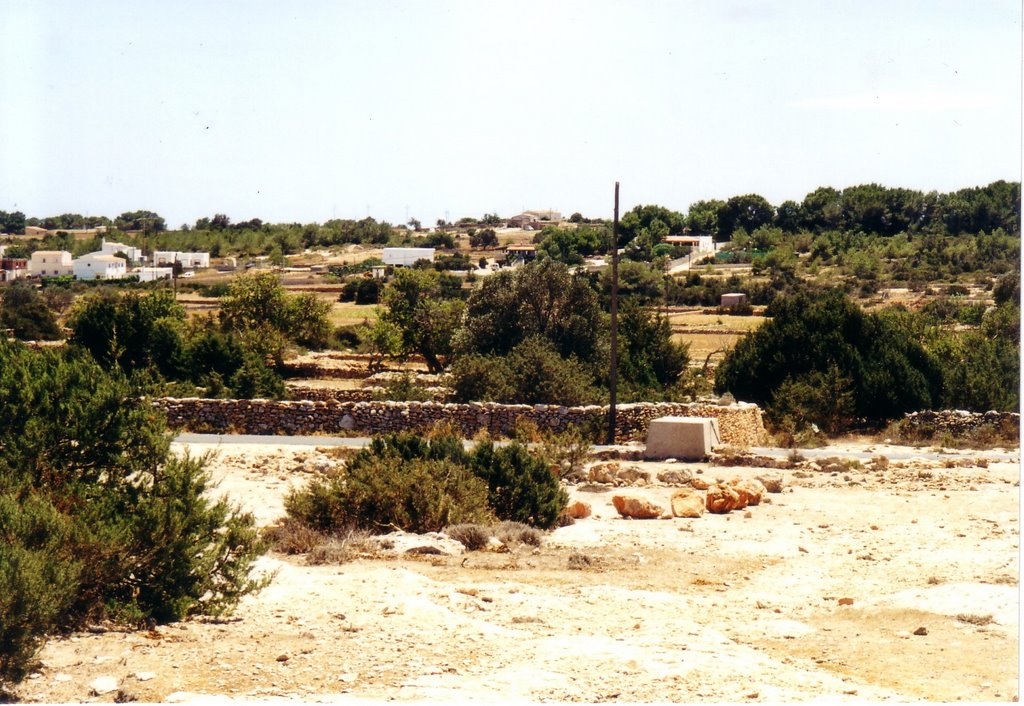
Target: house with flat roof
50,263
188,260
133,253
96,265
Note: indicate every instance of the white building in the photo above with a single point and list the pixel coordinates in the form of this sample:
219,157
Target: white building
151,274
188,260
50,263
134,254
96,265
405,257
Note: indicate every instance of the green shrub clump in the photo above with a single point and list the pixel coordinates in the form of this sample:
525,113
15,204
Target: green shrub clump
97,519
406,482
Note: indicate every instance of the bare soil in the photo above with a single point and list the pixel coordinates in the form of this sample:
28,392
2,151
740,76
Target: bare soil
855,585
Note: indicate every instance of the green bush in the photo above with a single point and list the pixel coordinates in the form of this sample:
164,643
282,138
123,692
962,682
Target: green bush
24,311
97,520
417,484
881,357
384,493
521,486
478,378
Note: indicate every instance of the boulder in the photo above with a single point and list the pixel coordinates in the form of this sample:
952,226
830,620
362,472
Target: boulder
750,491
634,476
603,473
636,508
722,499
578,510
103,685
772,482
687,502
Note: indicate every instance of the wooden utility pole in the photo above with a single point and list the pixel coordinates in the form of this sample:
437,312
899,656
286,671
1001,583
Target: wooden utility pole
614,378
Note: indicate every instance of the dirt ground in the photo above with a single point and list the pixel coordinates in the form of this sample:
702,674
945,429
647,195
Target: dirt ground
856,585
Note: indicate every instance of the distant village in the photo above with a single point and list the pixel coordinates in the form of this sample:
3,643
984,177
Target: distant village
111,262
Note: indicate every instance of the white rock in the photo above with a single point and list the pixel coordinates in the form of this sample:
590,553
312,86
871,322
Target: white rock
145,676
103,685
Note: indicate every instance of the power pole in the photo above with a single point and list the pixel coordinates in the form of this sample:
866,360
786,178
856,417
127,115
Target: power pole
613,381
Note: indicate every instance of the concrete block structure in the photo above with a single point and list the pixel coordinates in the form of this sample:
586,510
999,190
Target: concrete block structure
684,438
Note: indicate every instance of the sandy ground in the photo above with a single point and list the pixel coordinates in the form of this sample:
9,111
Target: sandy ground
853,586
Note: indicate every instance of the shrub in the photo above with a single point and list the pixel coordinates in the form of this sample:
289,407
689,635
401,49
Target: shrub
418,484
96,518
386,492
810,336
472,537
539,375
521,486
478,378
38,579
25,312
511,533
404,388
568,451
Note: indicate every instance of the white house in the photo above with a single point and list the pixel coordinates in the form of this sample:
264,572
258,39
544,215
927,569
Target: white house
405,257
134,254
151,274
188,260
96,265
50,263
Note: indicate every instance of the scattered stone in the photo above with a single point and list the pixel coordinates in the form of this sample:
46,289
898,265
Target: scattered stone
675,476
578,510
283,658
921,631
845,601
750,491
145,676
772,482
721,499
102,685
634,476
636,508
699,484
687,503
603,473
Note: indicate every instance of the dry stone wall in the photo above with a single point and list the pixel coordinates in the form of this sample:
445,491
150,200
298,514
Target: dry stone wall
740,424
959,422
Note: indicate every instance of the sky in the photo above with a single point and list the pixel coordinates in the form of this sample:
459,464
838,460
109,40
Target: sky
307,111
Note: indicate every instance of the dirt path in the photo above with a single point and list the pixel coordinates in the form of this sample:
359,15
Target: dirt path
854,586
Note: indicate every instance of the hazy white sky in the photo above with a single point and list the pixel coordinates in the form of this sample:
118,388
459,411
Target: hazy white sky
304,111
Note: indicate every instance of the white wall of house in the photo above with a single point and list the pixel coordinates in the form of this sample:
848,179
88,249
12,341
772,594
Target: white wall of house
50,263
188,260
111,248
96,265
151,274
407,256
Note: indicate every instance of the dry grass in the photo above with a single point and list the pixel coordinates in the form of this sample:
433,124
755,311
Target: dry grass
473,537
293,537
341,548
973,619
511,533
703,344
721,321
349,314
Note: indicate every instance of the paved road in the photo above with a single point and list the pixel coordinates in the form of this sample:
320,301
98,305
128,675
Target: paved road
893,454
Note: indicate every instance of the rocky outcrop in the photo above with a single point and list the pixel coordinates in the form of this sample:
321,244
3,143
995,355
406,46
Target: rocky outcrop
740,424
